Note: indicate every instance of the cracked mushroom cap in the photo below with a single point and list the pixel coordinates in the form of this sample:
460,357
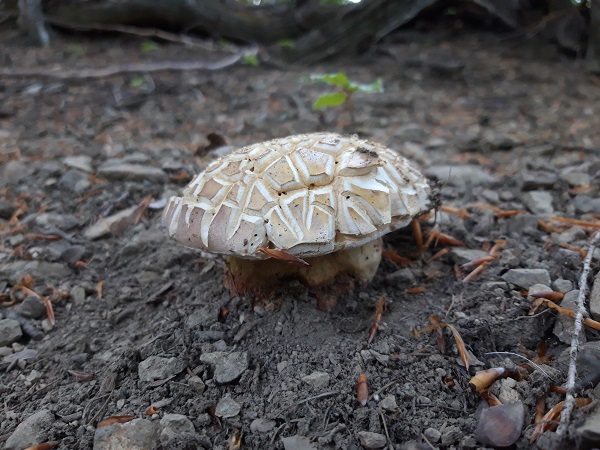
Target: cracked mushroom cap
308,195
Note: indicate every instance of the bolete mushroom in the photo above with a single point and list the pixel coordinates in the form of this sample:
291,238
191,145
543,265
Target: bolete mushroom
320,200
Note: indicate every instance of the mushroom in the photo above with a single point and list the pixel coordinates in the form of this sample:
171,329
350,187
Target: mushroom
319,200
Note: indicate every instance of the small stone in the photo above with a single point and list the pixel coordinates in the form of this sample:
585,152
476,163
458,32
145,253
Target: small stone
297,442
571,234
15,270
32,307
64,222
227,407
78,295
74,181
80,162
527,277
562,285
14,171
585,204
564,325
411,132
262,425
465,255
196,382
389,403
590,430
72,254
461,176
133,172
402,276
433,435
537,289
138,434
595,298
159,368
6,209
507,393
533,180
106,226
371,440
538,202
173,425
451,434
31,431
575,178
10,331
228,366
318,380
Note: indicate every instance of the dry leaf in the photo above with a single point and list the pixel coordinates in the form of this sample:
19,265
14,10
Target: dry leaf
378,314
45,446
395,257
115,419
416,290
549,421
283,256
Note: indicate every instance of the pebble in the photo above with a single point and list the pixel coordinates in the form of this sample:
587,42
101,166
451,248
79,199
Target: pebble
527,277
433,435
389,403
401,276
460,176
32,307
227,407
590,430
106,225
133,172
563,327
38,269
562,285
77,294
138,434
64,222
575,178
533,180
15,171
228,366
80,162
6,209
537,289
297,442
72,254
196,382
538,202
75,181
10,331
318,380
173,425
262,425
159,368
595,298
585,204
571,234
31,431
465,255
451,434
507,393
371,440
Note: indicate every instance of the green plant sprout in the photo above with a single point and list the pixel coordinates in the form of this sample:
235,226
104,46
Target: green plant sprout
345,89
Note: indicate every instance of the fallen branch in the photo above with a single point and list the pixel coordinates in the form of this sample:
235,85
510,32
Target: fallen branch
118,69
569,404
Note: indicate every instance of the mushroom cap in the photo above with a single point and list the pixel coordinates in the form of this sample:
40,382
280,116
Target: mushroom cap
307,194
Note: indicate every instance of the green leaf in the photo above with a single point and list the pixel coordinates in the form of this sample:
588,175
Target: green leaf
334,79
330,100
286,43
250,60
76,49
370,88
136,82
148,46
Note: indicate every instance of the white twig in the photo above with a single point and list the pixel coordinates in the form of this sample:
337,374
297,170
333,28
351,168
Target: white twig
565,415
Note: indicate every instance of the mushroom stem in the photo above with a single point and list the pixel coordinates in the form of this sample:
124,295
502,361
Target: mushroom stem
328,277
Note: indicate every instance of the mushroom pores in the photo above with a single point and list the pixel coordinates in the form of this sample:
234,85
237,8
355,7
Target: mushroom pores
308,195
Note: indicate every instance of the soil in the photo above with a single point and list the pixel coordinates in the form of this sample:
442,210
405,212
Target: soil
504,123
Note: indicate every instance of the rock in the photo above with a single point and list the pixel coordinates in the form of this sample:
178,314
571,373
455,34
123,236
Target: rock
297,442
562,285
173,425
371,440
507,393
411,132
586,204
138,434
389,403
111,224
196,382
451,434
575,178
72,254
563,327
64,222
32,307
227,407
159,368
15,171
571,234
460,176
74,181
228,366
10,331
31,431
533,180
433,435
527,277
590,430
133,172
595,298
538,202
79,162
318,380
15,270
465,255
6,209
402,276
262,425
